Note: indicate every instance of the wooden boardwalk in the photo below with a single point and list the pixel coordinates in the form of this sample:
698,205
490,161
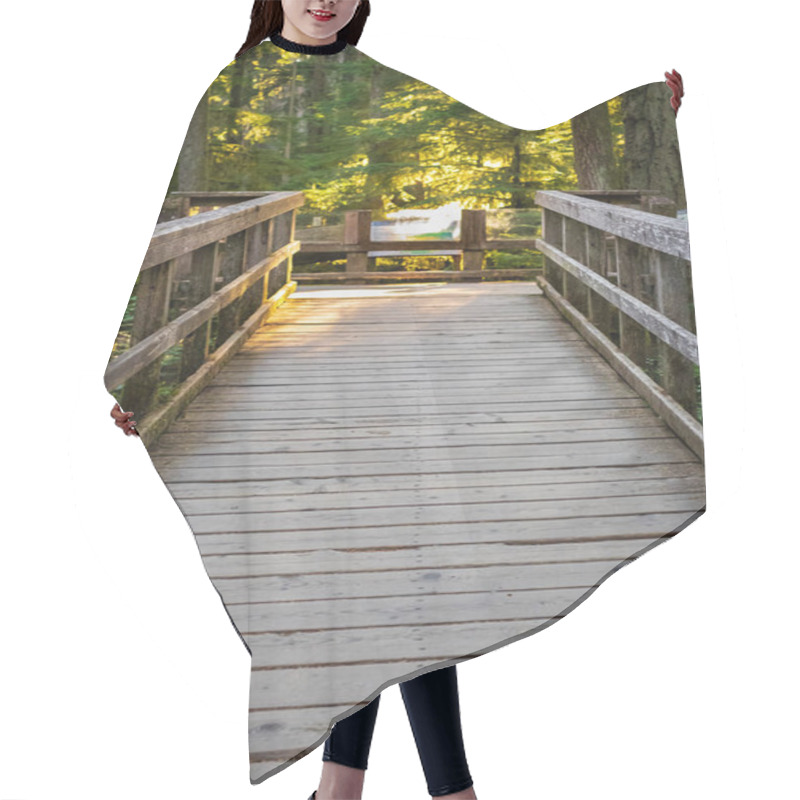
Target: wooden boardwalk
387,478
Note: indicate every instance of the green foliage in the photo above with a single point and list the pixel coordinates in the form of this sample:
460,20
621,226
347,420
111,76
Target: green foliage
123,340
360,135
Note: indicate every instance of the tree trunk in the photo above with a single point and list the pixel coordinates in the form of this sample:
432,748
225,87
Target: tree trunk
290,117
594,154
192,171
651,159
377,185
520,196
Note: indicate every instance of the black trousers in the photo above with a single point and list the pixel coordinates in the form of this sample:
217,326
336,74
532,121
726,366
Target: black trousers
432,706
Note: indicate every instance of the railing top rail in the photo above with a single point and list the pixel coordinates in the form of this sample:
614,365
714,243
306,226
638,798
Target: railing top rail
665,234
222,193
179,236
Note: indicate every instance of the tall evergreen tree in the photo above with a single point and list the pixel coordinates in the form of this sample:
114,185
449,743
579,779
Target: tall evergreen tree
651,157
595,164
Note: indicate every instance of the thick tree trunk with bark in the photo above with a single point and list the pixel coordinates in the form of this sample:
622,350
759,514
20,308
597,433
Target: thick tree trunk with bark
594,154
652,159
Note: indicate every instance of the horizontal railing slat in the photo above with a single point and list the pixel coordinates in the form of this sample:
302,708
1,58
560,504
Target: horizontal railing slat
657,323
665,234
180,236
155,345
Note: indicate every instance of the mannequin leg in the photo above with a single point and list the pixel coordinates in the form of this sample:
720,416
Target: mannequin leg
351,737
346,753
434,713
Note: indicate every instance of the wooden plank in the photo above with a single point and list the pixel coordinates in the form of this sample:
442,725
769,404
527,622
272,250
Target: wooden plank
319,370
509,374
614,430
409,327
248,413
427,445
417,276
408,395
435,458
406,520
565,345
252,416
253,401
278,650
331,247
177,237
377,484
515,593
408,559
665,234
415,385
392,497
184,441
590,532
590,455
248,417
443,291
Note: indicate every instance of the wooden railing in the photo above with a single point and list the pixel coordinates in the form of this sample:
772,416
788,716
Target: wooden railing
622,277
180,204
618,273
234,267
354,242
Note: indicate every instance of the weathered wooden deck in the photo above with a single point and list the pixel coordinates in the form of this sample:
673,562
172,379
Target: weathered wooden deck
386,478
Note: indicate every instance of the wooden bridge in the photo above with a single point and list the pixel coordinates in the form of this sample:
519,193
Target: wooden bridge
386,477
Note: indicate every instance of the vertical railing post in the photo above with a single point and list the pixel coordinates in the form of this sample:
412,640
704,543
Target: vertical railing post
600,311
205,264
150,314
357,231
269,285
255,250
552,233
282,232
575,246
632,335
473,239
230,267
290,259
673,299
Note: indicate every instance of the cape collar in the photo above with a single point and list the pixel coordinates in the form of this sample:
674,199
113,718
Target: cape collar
315,49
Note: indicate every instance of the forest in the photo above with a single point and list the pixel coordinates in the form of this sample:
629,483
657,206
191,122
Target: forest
354,134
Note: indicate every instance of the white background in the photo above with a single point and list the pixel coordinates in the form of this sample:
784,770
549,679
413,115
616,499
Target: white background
121,674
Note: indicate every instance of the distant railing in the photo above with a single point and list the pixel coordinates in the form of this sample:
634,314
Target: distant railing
232,267
353,241
622,277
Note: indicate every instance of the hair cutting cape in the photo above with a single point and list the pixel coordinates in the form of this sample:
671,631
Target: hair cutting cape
390,476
